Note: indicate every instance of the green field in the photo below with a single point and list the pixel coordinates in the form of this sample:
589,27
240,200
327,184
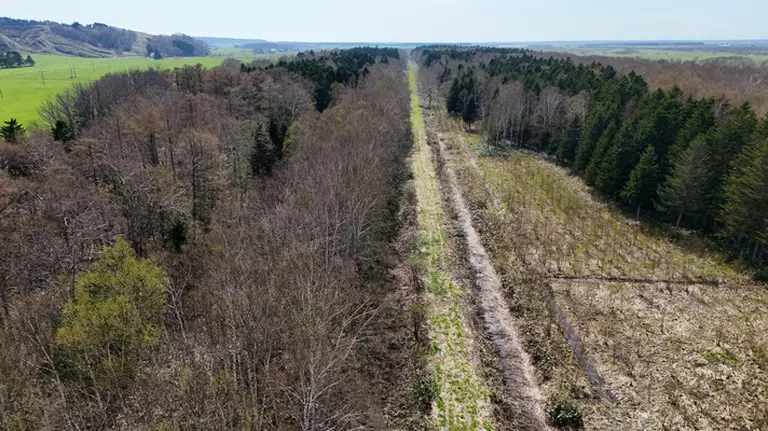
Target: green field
232,51
664,54
23,89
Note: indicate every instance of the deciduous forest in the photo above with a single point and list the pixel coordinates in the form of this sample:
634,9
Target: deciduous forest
202,249
451,238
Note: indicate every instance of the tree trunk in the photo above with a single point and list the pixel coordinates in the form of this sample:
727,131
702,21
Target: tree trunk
154,157
756,250
637,216
679,218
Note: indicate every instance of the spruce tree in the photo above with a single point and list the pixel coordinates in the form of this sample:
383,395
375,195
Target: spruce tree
262,156
566,149
12,131
700,119
640,190
61,132
607,175
685,188
278,130
743,213
725,142
604,144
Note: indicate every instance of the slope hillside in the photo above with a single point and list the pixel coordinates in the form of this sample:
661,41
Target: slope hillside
93,40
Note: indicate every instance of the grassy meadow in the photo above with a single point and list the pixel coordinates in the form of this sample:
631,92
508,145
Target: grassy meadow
23,89
667,54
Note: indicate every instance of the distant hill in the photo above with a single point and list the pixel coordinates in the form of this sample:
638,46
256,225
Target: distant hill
93,40
219,41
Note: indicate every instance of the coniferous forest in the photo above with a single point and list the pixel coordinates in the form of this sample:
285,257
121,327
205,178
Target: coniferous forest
692,162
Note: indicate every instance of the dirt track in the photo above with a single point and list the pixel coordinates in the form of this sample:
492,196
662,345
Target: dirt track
519,373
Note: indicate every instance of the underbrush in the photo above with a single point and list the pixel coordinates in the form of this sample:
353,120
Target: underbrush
677,335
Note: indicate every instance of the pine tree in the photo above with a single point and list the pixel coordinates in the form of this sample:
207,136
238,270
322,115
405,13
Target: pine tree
640,190
685,188
262,156
566,149
725,142
62,133
746,198
12,131
452,101
700,119
606,141
607,175
462,100
278,130
597,121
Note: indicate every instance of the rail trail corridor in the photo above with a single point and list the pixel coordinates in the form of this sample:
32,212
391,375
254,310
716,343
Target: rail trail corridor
462,400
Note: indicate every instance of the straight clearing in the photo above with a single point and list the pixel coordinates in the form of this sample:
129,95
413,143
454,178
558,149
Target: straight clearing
23,89
686,355
462,401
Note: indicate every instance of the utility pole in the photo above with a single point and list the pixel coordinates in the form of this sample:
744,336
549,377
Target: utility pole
43,76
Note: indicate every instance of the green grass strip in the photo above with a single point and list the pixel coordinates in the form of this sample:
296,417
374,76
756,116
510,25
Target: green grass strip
462,401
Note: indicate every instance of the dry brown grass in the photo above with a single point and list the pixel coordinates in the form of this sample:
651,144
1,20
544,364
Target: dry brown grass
683,355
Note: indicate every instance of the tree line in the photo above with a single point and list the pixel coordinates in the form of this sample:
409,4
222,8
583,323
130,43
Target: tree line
97,34
12,59
696,162
336,67
199,249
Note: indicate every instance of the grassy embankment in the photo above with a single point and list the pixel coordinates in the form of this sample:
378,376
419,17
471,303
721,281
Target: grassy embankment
461,396
23,89
678,335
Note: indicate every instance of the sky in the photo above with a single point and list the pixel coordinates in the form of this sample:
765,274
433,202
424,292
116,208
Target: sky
416,20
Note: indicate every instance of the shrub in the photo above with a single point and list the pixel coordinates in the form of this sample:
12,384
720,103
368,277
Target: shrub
565,415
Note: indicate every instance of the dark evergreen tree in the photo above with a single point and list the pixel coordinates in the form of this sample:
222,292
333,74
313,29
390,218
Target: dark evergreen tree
685,190
278,130
725,142
12,131
597,120
566,148
605,143
743,214
262,156
700,118
62,133
640,190
463,98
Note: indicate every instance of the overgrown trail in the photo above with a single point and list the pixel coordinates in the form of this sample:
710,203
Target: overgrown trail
519,373
461,399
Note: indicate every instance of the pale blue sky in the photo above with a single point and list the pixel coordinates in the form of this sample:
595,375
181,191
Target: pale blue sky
416,20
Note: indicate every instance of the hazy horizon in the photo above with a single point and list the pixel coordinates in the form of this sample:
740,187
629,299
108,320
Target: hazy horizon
419,21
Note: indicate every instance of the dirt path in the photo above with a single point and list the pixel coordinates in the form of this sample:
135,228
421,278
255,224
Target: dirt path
519,373
461,395
571,336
